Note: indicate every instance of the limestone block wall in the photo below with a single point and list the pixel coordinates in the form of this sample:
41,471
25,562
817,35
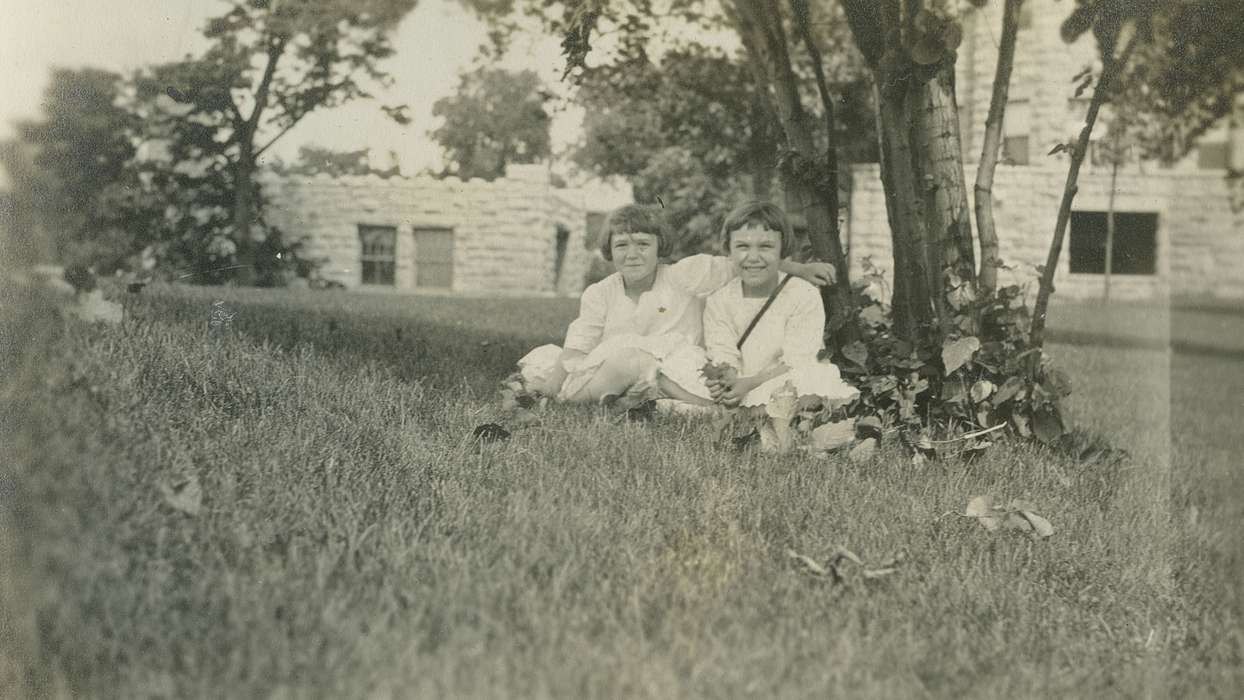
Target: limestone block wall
1200,240
504,232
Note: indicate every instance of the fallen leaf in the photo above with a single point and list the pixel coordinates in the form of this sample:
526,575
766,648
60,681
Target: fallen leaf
864,451
878,573
982,508
808,562
956,353
185,495
833,435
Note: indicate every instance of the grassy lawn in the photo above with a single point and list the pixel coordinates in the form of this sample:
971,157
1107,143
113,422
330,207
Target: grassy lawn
350,542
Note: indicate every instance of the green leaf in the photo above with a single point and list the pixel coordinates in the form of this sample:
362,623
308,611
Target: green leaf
1047,424
981,390
873,316
1009,390
856,352
956,353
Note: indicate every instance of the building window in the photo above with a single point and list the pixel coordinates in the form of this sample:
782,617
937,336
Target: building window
1135,243
1213,156
595,227
434,258
379,254
1015,129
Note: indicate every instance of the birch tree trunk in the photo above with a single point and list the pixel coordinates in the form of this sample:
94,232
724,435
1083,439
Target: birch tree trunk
1110,69
985,230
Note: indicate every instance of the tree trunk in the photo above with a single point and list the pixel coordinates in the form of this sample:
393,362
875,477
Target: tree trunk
764,38
244,214
921,166
1114,177
1110,69
985,229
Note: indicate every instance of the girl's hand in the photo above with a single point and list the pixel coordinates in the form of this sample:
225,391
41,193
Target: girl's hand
742,386
720,385
817,273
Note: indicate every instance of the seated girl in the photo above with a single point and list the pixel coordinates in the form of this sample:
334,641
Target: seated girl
782,344
631,320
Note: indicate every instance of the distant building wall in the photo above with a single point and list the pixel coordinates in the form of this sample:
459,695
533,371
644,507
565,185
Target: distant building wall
505,236
1198,246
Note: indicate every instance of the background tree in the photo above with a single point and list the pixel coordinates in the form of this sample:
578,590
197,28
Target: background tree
270,63
67,169
497,117
313,160
1168,65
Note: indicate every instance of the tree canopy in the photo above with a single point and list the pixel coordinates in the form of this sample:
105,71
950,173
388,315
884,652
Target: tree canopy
496,117
69,168
269,64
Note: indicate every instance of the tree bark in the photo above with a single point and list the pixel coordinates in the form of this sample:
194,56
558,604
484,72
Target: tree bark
759,24
1110,69
1114,178
985,230
921,165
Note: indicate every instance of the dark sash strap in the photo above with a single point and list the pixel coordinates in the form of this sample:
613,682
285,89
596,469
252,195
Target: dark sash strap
763,309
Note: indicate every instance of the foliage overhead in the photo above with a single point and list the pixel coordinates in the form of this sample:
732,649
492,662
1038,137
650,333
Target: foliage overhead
313,160
496,118
1187,68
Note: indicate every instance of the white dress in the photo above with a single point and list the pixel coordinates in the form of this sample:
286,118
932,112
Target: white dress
665,318
790,332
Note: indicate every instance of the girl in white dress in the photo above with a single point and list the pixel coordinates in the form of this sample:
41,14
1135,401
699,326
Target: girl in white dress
632,320
783,345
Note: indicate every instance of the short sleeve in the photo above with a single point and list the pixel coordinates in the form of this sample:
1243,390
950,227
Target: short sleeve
585,331
805,327
701,275
719,336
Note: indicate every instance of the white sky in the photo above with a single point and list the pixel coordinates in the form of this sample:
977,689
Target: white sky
435,43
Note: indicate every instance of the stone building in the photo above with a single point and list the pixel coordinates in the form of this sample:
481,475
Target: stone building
516,235
1176,232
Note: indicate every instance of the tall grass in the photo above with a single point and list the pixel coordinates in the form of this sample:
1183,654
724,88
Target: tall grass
353,542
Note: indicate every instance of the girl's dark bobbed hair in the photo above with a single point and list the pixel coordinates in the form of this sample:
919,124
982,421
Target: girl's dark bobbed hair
759,213
636,218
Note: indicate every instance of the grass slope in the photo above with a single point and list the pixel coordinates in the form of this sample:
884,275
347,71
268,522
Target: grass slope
351,543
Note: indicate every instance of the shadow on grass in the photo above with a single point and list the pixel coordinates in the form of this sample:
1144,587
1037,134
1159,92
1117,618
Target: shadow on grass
439,356
1105,340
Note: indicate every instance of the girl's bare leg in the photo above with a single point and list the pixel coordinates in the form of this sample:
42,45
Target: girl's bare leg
672,390
616,375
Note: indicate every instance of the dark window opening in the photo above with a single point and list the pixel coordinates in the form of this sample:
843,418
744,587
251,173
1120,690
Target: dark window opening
379,254
1213,156
434,258
1135,243
559,254
1015,150
595,227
